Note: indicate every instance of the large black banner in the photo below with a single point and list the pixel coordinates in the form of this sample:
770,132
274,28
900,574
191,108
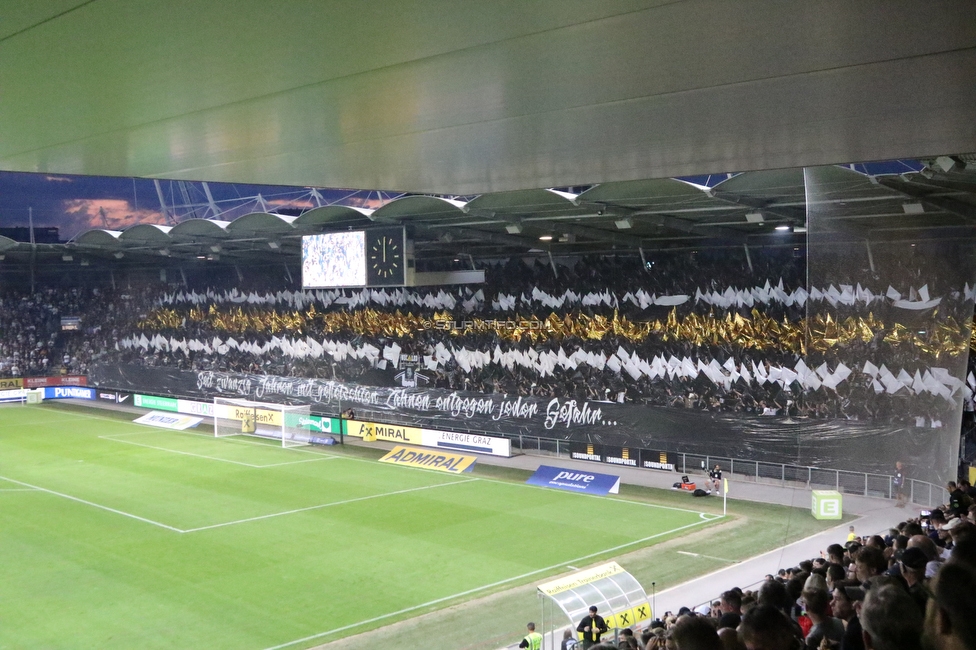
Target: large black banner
818,443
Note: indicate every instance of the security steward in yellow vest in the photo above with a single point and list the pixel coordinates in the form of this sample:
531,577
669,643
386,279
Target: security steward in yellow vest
532,640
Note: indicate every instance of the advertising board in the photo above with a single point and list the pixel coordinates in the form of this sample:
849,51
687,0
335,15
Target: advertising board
574,480
69,392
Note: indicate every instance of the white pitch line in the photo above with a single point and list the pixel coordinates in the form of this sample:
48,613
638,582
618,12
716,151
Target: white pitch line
147,429
94,505
296,462
182,453
325,505
468,592
116,438
708,557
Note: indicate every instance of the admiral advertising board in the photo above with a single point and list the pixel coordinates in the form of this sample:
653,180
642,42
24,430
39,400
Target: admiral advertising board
448,440
441,461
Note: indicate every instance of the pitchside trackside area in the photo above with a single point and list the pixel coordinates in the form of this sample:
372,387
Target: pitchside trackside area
115,535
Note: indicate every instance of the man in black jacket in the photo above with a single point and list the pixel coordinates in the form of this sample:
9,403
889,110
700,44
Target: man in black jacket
591,627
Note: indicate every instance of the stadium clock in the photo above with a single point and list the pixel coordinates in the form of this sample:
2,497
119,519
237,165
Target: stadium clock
384,257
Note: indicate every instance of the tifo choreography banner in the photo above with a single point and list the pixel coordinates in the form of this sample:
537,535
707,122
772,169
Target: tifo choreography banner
816,442
479,409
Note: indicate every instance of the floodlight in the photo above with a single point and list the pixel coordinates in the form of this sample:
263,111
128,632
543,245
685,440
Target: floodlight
624,224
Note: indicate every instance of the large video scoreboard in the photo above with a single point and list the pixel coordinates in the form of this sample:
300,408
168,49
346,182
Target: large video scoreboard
356,258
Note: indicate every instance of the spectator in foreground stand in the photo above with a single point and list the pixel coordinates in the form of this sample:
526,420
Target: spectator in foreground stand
767,628
825,626
730,639
869,562
890,618
731,609
912,566
695,633
569,641
842,604
950,623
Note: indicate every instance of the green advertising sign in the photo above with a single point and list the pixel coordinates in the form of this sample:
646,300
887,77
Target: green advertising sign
156,403
314,423
827,504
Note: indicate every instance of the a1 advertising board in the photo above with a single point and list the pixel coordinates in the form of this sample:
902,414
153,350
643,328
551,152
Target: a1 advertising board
574,480
69,392
107,396
11,383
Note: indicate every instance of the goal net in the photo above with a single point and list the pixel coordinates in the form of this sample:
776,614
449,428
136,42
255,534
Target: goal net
234,417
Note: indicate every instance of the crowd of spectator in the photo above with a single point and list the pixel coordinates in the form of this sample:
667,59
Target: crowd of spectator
909,589
33,344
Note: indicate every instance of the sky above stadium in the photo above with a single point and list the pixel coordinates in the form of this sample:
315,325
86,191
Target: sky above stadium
74,204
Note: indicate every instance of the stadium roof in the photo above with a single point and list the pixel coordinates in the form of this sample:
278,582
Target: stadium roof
754,208
470,98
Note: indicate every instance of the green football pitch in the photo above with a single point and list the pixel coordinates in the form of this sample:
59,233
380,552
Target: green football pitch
115,535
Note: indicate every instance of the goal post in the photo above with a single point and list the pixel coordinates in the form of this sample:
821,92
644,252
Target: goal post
235,417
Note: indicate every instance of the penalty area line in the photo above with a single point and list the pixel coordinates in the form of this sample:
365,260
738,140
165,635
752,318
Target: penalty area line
117,438
175,451
94,505
475,590
325,505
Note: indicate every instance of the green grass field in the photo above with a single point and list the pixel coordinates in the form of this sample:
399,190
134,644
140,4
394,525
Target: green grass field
115,535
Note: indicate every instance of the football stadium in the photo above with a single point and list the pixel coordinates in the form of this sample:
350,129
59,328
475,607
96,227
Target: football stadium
560,326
